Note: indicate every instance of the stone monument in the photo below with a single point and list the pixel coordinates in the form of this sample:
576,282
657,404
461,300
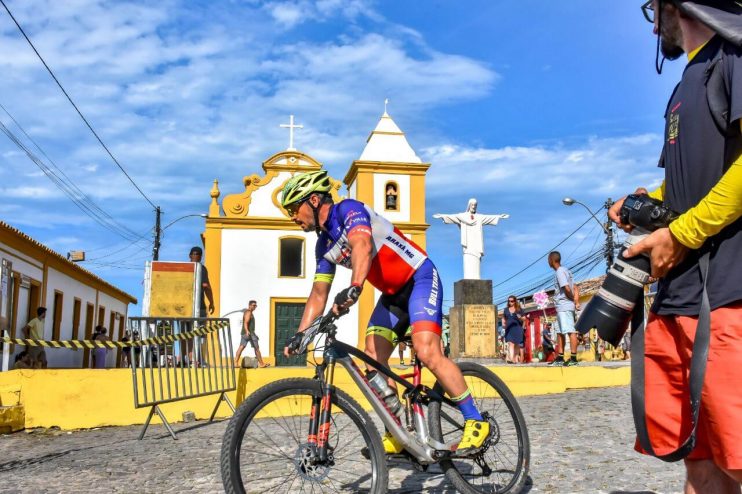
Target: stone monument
473,317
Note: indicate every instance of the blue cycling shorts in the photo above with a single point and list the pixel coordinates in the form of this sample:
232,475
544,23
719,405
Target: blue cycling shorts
418,305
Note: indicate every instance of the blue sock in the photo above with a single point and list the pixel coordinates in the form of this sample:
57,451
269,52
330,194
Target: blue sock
467,407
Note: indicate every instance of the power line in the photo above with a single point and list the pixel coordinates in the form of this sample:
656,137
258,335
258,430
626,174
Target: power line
129,245
533,284
541,256
75,106
585,265
110,225
64,183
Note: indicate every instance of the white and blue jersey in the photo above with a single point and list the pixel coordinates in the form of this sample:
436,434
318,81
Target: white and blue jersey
400,270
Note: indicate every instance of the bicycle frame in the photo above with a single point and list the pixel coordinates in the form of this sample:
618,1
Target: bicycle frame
419,444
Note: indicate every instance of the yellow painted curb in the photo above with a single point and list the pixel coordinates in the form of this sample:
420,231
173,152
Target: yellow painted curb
86,398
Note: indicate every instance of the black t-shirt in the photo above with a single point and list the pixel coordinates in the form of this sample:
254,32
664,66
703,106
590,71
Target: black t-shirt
695,155
204,280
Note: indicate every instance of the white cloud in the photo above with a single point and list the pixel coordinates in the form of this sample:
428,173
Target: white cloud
288,15
595,167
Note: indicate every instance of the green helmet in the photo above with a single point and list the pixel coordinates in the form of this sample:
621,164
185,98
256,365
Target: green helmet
302,185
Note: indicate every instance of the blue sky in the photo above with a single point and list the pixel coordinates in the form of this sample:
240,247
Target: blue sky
515,103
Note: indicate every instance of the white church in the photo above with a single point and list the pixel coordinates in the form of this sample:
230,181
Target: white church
253,251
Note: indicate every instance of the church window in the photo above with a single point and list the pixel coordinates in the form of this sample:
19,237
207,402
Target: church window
391,195
291,257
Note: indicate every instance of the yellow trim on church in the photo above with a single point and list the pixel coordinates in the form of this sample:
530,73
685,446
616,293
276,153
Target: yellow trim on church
303,257
234,214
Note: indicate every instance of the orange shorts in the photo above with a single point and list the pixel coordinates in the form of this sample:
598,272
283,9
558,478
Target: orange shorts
668,348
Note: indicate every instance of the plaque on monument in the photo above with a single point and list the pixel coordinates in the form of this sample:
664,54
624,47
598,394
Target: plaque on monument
473,320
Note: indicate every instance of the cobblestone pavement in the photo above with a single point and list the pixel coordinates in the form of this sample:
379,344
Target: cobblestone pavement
581,441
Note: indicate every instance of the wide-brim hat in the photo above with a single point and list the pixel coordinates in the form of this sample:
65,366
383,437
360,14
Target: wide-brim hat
723,16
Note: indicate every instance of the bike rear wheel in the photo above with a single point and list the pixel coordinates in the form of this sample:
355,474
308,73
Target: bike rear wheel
502,465
265,446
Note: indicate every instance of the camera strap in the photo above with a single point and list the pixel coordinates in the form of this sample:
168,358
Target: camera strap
695,381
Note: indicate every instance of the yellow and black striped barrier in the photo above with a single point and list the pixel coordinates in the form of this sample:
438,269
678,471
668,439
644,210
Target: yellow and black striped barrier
209,327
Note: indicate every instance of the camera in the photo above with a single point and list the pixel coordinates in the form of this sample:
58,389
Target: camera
610,310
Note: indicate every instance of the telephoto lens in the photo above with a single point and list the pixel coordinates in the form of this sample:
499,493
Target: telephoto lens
610,310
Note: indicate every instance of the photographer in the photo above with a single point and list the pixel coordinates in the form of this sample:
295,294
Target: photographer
703,182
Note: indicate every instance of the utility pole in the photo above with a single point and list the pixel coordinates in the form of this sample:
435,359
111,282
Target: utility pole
158,231
609,247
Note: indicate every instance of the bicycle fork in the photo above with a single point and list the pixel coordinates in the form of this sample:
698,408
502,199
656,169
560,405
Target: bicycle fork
321,413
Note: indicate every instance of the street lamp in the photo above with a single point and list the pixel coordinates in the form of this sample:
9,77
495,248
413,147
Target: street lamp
568,201
607,227
158,231
202,215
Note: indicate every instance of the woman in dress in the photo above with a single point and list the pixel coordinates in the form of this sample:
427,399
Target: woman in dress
99,354
513,320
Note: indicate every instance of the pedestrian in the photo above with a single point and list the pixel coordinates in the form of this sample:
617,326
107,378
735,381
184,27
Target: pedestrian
402,346
206,297
626,345
34,330
126,351
137,349
513,320
566,302
248,335
445,337
547,343
354,236
99,353
703,184
23,361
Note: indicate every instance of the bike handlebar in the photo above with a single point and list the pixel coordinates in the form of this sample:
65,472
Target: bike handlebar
318,326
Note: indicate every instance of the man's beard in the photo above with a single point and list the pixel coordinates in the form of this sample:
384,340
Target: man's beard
671,36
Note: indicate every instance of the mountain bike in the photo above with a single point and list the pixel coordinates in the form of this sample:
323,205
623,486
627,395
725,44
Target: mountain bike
306,435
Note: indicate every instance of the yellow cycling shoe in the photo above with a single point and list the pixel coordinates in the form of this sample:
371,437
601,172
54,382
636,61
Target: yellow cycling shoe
391,445
475,432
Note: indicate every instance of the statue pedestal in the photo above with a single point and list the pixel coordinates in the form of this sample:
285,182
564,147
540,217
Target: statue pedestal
473,320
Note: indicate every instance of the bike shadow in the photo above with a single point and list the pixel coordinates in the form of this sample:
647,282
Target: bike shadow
415,482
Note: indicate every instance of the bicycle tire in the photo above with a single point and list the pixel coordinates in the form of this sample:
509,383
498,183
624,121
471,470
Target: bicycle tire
297,390
518,469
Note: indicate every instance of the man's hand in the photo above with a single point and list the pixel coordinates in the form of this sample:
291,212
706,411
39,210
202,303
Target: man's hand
292,344
613,213
665,252
345,299
211,309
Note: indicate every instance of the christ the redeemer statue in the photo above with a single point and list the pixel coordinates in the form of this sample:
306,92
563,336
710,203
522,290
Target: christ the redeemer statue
472,238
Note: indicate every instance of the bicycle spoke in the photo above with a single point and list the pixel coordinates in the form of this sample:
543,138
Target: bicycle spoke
276,457
504,458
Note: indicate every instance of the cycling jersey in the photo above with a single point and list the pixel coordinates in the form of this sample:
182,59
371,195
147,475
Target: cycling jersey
395,257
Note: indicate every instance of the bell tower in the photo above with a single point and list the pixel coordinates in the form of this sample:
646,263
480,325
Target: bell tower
390,178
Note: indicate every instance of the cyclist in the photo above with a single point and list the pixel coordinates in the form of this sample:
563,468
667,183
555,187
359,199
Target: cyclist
352,235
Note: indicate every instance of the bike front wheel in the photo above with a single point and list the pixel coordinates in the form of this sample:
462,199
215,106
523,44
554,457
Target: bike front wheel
502,464
266,448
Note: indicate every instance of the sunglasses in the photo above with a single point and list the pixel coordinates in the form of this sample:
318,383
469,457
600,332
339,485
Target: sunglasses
648,11
511,300
293,208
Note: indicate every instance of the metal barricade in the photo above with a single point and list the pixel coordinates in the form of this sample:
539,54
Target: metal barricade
179,358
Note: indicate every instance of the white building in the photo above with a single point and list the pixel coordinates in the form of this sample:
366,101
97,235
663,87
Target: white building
77,300
254,251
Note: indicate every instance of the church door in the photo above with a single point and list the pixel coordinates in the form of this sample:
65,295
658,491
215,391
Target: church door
288,317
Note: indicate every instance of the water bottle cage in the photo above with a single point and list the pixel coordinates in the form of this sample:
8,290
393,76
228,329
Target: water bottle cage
415,395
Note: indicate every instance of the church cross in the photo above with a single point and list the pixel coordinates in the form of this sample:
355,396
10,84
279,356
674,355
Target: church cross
291,128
